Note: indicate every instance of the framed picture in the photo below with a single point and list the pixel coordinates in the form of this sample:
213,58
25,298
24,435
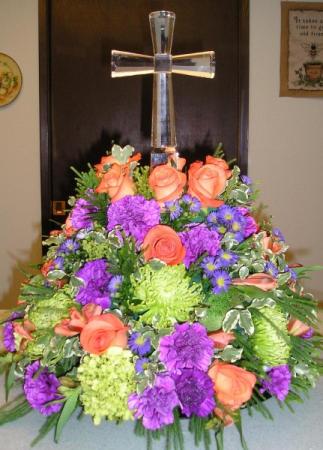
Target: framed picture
10,79
301,59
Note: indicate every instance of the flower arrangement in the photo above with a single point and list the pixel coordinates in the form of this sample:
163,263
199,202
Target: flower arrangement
161,298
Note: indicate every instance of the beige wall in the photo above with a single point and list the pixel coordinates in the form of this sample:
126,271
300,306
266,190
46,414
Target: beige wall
286,144
19,150
286,141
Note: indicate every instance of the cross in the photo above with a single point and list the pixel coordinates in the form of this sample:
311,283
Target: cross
162,65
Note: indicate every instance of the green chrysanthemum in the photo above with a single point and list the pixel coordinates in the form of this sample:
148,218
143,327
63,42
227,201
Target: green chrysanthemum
270,341
164,296
107,381
45,314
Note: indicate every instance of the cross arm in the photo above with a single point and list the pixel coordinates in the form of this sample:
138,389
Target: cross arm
125,64
195,64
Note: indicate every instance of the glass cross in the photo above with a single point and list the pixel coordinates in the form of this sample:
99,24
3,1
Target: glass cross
162,65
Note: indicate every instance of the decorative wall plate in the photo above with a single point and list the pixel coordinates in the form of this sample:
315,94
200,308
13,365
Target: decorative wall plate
10,79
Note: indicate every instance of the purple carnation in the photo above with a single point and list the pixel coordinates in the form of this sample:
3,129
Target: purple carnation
198,240
81,215
8,337
155,404
195,392
40,388
96,288
277,382
188,347
135,215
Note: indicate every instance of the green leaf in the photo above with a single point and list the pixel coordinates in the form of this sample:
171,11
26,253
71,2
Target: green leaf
215,313
122,154
10,379
17,411
219,439
243,272
259,303
245,322
231,353
238,425
283,278
56,275
68,409
50,423
231,320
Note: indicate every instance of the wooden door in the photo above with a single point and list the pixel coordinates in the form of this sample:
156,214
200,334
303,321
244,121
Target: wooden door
83,109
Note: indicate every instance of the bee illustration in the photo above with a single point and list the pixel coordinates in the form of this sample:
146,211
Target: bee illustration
312,49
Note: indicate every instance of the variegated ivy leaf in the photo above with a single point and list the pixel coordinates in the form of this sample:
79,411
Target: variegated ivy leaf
231,354
76,282
56,275
122,154
261,302
231,320
259,266
243,272
245,322
283,278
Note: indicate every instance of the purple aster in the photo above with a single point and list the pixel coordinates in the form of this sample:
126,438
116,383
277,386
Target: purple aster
188,347
221,281
226,214
8,337
238,223
155,404
173,209
246,180
278,234
198,240
271,268
209,265
16,315
226,259
141,364
96,281
193,203
277,382
40,387
195,392
58,263
115,283
308,334
68,246
139,344
135,215
212,218
81,215
293,274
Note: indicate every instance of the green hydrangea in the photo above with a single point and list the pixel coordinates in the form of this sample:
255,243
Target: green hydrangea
107,381
95,248
270,341
164,296
48,312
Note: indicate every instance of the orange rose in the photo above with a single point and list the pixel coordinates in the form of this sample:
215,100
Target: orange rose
221,339
232,385
263,281
46,267
117,182
167,183
68,228
77,321
102,332
110,160
272,245
163,243
208,181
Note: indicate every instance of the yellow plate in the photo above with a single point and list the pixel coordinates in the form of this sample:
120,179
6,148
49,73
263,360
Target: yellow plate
10,79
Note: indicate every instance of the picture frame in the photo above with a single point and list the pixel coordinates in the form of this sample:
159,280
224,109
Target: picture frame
10,79
301,57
